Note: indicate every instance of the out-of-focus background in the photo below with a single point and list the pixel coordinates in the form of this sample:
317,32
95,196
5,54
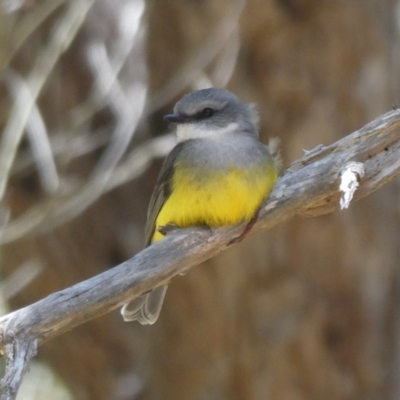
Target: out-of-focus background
308,310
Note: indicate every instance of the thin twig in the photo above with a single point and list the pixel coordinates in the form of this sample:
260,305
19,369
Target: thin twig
46,60
226,64
25,28
130,24
36,133
21,277
66,146
127,104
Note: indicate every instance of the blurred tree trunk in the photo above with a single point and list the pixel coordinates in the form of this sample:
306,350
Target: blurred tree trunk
305,311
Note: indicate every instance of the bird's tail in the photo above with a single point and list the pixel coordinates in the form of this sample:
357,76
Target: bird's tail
145,309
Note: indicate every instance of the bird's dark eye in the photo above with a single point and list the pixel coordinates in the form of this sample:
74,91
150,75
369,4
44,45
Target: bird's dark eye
207,113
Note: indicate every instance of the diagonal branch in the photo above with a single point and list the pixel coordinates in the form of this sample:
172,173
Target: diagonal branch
309,187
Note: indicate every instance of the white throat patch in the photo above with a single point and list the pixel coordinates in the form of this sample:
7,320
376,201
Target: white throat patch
194,131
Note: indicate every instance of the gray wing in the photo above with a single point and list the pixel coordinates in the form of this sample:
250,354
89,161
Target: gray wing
161,192
146,309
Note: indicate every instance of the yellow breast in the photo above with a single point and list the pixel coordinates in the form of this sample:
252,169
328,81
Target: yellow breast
215,198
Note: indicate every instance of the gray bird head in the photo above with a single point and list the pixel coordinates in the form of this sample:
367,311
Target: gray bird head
211,112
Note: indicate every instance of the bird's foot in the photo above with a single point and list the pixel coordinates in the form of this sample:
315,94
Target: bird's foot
246,230
167,228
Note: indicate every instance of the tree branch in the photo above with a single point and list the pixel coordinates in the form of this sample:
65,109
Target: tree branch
310,187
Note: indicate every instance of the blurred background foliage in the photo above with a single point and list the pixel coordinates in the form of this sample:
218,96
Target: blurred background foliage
308,310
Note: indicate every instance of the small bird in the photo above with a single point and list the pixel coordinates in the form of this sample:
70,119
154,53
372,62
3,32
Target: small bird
218,174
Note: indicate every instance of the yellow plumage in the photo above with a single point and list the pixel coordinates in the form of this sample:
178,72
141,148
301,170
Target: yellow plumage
215,198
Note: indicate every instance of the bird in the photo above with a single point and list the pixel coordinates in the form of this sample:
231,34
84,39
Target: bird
218,174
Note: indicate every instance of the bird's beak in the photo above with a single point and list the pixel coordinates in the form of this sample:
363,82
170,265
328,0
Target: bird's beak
176,119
